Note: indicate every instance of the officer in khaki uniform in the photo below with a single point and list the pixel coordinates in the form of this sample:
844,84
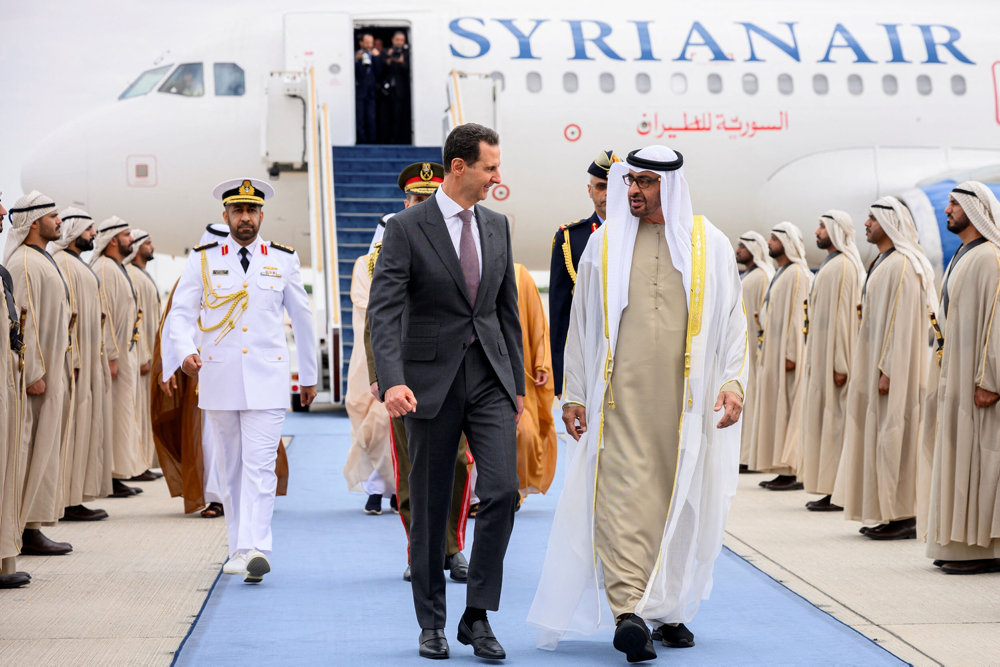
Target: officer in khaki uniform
419,181
227,324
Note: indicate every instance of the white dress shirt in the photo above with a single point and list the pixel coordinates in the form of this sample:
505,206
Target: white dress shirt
450,210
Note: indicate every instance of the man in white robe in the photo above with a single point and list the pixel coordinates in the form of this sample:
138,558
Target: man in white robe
87,474
657,340
39,286
876,480
148,298
831,329
777,426
964,519
752,253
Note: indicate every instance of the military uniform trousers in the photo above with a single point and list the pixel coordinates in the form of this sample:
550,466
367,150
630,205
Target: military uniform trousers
459,513
244,450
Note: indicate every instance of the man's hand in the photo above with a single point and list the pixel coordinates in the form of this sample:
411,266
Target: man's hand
520,408
541,377
399,400
144,369
169,386
575,419
985,398
839,379
191,365
789,365
307,394
883,384
113,366
36,388
374,390
732,406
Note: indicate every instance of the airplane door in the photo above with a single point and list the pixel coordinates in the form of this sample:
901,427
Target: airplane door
996,91
325,42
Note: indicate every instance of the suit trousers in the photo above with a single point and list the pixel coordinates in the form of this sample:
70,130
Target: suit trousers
477,405
459,512
245,449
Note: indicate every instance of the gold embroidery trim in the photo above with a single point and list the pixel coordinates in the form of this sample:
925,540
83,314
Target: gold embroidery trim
568,256
213,301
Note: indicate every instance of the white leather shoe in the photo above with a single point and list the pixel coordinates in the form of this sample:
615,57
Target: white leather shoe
257,565
237,564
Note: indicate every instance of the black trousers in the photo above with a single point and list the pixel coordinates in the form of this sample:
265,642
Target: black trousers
477,405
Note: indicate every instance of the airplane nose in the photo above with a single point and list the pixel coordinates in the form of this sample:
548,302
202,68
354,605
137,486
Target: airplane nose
57,167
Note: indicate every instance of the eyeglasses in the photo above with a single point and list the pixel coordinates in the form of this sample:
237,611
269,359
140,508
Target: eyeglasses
644,182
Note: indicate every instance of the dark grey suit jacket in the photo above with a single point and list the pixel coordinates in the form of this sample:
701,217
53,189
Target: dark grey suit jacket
419,309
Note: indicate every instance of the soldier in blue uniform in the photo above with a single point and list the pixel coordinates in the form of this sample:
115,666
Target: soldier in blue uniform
227,325
567,246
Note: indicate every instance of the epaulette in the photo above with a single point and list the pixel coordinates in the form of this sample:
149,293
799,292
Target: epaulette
206,246
284,248
574,224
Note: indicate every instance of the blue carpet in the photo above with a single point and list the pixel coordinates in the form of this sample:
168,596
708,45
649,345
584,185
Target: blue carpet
336,595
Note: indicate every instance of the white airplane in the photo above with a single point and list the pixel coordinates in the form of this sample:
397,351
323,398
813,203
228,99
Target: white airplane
782,111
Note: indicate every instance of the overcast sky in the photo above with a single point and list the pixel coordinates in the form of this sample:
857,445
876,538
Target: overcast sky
59,60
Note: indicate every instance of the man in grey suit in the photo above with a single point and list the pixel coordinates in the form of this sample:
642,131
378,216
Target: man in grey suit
447,345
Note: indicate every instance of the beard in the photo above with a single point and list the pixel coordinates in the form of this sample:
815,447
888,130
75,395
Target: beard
823,243
82,244
775,254
956,226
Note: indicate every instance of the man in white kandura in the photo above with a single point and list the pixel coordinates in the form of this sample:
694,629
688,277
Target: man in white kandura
227,324
656,363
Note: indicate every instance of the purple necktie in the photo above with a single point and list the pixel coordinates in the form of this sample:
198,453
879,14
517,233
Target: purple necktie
467,255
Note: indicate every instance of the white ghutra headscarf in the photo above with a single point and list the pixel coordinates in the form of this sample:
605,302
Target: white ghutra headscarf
981,207
840,227
756,245
32,206
896,221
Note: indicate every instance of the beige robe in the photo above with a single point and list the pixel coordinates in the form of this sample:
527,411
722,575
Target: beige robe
39,285
119,303
88,471
964,518
537,443
876,480
833,326
11,403
370,446
148,298
754,283
636,468
774,419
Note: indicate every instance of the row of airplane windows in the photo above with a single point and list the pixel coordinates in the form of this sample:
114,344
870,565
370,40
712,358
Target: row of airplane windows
678,83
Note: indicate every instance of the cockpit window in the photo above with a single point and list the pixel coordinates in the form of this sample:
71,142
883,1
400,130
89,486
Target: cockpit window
186,80
145,82
229,80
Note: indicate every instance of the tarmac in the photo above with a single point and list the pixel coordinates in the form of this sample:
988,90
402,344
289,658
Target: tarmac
135,582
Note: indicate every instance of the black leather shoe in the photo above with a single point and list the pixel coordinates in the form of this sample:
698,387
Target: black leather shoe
784,483
36,544
14,580
147,476
978,566
673,636
632,638
81,513
406,573
458,566
903,529
433,644
394,504
480,635
823,505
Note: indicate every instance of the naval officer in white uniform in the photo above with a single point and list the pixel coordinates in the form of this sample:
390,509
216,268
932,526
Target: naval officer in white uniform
227,324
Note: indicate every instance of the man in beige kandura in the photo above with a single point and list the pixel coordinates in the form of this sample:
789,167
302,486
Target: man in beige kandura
87,475
773,446
830,333
39,286
877,478
963,534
